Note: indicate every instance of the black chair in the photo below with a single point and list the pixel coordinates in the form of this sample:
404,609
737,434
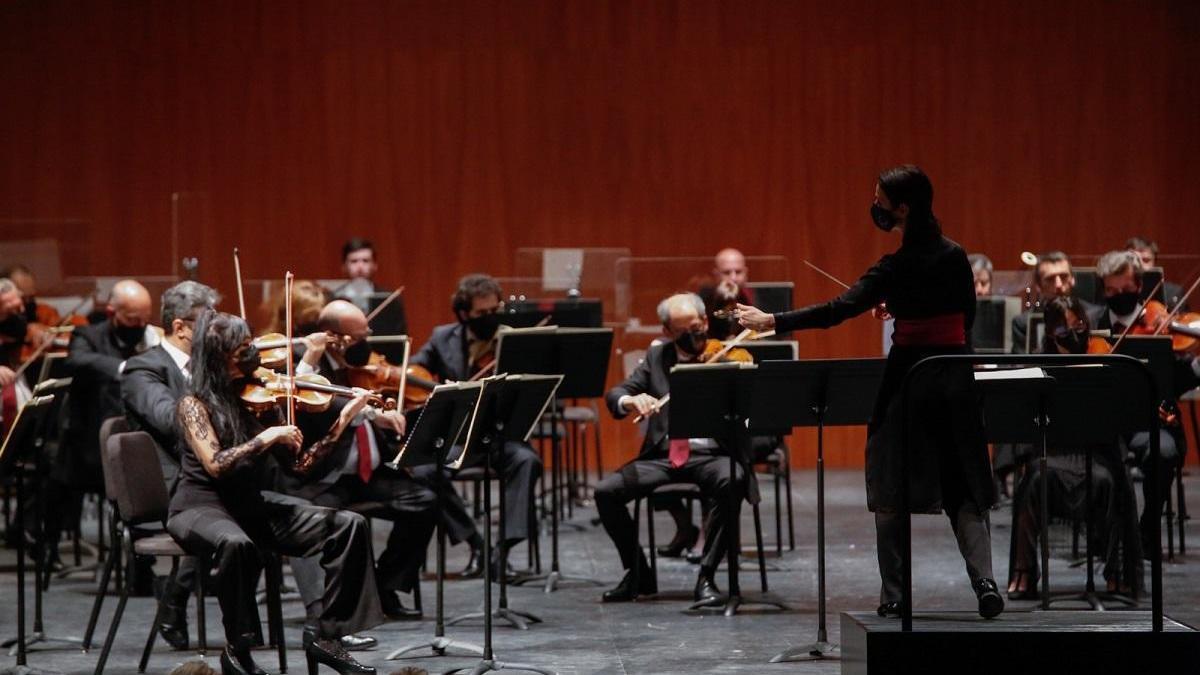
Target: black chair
778,466
135,482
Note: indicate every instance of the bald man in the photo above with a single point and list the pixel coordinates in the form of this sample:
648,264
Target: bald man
355,471
96,357
661,460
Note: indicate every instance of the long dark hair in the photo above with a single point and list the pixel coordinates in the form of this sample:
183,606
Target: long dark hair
1055,316
907,184
217,336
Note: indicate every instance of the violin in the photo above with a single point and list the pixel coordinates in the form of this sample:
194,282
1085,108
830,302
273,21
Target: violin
420,386
273,349
313,393
377,375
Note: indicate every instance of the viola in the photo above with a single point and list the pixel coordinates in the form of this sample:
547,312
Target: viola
273,348
377,375
313,393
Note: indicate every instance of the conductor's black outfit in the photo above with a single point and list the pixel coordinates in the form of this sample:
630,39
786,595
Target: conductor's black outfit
928,287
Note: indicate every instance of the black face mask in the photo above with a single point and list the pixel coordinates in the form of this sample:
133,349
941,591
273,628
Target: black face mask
1123,304
1075,341
882,218
484,327
692,342
357,354
14,328
129,335
249,361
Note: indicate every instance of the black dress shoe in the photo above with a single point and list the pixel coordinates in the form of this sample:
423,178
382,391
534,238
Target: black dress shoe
891,609
358,643
706,591
509,573
395,610
236,659
172,600
684,540
626,592
990,602
694,556
331,653
474,568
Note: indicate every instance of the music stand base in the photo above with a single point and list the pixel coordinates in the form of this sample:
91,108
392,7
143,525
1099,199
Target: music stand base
815,651
36,637
1096,600
489,665
440,645
553,580
515,617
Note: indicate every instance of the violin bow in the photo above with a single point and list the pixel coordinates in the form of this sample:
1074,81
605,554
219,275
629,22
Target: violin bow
46,345
1113,347
291,365
746,335
237,272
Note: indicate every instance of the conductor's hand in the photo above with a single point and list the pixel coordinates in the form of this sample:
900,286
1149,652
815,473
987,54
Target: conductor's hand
754,318
285,435
643,404
881,312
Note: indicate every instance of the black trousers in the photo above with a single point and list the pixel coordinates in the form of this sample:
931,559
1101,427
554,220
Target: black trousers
1168,451
339,539
408,504
521,468
640,477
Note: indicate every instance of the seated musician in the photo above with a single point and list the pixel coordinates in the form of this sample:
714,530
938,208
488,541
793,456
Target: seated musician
1112,512
981,268
358,262
1121,272
1147,251
151,385
661,460
1052,277
725,287
456,352
13,328
39,316
217,508
355,470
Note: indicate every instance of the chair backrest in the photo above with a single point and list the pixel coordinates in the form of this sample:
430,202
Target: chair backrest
110,426
135,477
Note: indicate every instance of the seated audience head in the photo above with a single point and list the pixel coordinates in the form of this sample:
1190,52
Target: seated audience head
981,267
476,303
685,323
1121,273
1067,327
358,258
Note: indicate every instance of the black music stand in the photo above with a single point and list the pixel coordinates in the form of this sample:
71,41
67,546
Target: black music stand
509,409
24,438
820,393
580,356
713,401
442,423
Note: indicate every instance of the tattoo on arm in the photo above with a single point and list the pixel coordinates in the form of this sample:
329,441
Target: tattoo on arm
311,456
202,439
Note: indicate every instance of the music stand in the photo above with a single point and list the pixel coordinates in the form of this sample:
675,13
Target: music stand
815,393
713,401
580,356
509,409
389,321
23,438
442,422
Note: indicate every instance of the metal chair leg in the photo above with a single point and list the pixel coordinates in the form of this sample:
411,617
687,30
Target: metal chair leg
650,534
158,615
201,618
102,592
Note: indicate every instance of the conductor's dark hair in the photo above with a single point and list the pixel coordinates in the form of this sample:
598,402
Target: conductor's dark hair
356,244
1055,316
908,184
473,286
217,337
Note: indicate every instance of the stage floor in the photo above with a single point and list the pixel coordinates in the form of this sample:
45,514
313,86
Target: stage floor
582,635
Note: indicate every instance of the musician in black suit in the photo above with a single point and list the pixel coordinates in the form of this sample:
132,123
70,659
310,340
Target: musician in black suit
1121,273
355,470
1052,277
661,460
457,351
151,385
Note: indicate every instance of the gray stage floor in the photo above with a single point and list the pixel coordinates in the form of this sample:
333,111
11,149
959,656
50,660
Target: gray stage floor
581,635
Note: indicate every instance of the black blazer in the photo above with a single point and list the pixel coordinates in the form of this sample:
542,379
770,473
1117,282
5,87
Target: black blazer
445,354
93,360
151,386
652,376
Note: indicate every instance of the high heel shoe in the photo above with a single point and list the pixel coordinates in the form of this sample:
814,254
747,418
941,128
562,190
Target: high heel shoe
236,659
331,653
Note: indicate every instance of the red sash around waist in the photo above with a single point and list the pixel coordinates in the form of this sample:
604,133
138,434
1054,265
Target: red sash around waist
935,331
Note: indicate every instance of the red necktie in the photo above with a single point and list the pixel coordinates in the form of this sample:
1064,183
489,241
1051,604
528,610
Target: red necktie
678,451
8,406
361,433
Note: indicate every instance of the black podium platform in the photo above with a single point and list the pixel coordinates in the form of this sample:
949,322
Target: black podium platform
1016,642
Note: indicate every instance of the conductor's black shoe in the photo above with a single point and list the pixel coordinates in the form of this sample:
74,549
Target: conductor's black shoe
172,600
395,610
990,602
474,568
706,591
331,653
236,659
683,541
357,643
889,609
626,592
